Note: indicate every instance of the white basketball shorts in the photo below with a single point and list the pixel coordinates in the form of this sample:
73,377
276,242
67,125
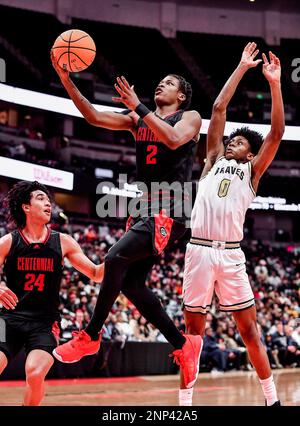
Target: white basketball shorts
210,269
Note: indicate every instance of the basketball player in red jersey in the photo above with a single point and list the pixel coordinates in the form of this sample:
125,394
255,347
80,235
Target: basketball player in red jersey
214,260
165,146
33,261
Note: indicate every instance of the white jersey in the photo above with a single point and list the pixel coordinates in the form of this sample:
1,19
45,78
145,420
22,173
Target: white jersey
222,200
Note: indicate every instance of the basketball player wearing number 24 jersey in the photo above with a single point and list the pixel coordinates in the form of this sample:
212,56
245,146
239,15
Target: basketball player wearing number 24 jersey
33,260
214,260
165,143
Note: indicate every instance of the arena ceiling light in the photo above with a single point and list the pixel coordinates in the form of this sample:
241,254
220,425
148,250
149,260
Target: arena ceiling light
66,106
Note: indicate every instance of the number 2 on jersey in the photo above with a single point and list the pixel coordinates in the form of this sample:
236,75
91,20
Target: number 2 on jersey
33,280
150,159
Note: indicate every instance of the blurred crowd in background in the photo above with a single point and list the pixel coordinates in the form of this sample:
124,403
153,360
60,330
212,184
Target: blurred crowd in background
274,274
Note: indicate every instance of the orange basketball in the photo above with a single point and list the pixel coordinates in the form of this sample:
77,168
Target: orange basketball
74,50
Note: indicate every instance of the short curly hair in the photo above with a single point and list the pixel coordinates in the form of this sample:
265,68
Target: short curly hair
186,88
255,139
19,194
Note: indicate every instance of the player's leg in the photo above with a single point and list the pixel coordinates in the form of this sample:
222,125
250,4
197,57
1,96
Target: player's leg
41,339
37,366
195,325
247,325
3,361
187,346
11,342
235,295
198,287
147,303
132,247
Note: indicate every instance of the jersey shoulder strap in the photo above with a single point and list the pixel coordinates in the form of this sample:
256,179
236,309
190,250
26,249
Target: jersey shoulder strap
54,241
16,241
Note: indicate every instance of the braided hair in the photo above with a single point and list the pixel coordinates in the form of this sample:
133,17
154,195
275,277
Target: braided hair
186,88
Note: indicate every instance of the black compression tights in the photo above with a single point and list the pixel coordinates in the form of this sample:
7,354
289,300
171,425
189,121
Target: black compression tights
126,267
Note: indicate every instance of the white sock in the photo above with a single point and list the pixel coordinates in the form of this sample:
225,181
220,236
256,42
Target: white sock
186,397
269,390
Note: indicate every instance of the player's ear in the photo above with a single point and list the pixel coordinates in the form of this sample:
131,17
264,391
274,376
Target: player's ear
182,97
26,208
250,156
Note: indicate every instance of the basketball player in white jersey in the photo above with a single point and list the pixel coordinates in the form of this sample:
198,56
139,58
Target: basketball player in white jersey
214,260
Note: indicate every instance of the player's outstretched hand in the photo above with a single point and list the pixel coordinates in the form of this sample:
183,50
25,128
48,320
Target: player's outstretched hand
63,74
7,297
249,54
271,68
127,94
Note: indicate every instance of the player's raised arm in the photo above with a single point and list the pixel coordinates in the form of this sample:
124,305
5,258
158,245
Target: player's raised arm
7,297
186,129
72,250
105,119
215,133
267,152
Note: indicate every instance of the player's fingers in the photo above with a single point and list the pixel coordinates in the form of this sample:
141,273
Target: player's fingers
257,61
271,55
119,90
277,60
9,292
117,100
54,63
125,82
14,296
54,60
265,59
254,54
122,85
11,297
252,48
7,303
4,304
247,47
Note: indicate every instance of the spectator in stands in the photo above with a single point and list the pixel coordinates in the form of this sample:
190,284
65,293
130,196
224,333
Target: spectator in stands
123,331
296,336
261,271
142,330
292,355
91,305
79,322
274,280
279,342
73,302
90,234
214,352
240,352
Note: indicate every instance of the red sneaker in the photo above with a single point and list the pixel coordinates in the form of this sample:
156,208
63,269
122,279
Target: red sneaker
188,358
80,346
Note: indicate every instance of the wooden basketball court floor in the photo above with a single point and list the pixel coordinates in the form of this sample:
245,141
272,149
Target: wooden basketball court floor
228,389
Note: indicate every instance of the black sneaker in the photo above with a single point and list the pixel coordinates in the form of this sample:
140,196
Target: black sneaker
276,404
